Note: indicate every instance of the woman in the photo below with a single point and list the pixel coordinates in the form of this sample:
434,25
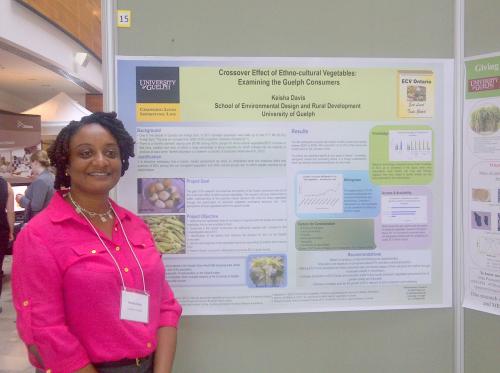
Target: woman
40,191
88,283
6,223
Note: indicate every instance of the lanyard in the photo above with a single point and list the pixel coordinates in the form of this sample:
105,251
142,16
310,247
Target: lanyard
109,252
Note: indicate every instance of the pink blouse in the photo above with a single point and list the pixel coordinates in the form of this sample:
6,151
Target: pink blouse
67,289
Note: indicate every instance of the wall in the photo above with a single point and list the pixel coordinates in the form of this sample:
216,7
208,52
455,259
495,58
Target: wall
13,103
81,19
25,30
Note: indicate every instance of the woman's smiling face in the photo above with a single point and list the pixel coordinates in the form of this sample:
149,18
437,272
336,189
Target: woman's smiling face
94,164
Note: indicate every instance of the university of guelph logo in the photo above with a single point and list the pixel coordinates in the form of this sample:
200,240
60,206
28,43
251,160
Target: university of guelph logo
157,84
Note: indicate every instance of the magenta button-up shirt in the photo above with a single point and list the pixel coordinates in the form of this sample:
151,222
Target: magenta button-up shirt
67,289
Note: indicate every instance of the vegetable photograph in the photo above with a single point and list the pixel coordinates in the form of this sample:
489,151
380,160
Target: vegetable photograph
168,232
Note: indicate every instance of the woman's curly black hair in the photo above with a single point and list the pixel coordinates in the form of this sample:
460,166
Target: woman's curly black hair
59,150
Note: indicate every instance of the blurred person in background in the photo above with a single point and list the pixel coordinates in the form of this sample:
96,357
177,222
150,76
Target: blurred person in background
6,223
4,167
40,191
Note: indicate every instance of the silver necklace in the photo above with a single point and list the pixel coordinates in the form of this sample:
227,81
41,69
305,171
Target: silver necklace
103,216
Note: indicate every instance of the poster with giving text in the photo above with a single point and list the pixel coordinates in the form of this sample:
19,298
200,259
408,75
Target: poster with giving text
481,184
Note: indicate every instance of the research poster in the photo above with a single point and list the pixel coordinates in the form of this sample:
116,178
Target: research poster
277,185
481,173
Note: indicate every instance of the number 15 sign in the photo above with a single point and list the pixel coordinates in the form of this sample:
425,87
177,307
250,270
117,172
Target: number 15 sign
123,18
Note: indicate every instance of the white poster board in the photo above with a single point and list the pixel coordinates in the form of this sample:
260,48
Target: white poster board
278,185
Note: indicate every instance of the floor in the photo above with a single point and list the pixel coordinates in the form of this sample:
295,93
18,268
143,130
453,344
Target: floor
13,358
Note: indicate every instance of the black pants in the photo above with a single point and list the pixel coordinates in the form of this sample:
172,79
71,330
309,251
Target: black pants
4,244
145,367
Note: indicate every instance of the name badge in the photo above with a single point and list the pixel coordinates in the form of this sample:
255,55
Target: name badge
134,306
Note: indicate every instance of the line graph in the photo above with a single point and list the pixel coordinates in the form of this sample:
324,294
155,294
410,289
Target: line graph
320,193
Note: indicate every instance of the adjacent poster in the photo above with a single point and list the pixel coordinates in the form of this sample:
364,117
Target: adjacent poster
481,173
278,185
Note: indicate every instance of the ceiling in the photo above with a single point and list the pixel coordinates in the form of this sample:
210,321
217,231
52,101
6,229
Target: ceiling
24,84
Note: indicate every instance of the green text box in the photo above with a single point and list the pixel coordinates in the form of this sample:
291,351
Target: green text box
339,234
384,171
